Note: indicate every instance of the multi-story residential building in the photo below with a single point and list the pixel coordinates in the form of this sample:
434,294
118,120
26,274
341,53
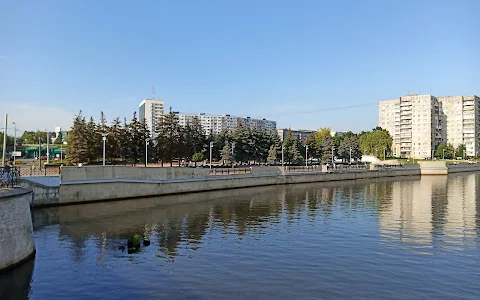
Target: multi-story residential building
216,123
300,134
419,123
151,110
461,120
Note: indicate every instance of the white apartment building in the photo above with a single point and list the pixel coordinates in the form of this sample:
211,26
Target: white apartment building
462,122
413,123
419,123
151,110
216,123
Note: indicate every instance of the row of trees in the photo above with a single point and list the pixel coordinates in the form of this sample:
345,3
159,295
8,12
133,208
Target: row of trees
131,142
447,151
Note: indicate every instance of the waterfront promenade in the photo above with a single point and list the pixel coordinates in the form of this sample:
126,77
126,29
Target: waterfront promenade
104,183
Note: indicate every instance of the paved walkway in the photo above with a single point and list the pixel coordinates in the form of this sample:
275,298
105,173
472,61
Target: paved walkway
50,181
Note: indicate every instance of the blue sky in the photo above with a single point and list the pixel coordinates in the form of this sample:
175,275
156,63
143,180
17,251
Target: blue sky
283,60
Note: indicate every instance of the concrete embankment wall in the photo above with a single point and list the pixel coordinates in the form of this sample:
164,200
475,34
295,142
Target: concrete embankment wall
101,189
42,194
16,231
119,172
442,168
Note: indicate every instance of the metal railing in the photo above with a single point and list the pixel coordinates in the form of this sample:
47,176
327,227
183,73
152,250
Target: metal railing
35,171
229,171
9,176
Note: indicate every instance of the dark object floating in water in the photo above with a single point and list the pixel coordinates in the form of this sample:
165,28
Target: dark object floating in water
121,248
133,244
146,242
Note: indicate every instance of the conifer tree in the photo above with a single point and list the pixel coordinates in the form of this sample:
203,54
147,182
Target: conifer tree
77,152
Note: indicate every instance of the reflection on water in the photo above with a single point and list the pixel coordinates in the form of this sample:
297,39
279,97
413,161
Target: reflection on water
417,236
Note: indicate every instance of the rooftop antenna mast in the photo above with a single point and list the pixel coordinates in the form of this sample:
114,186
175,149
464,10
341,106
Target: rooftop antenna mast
153,93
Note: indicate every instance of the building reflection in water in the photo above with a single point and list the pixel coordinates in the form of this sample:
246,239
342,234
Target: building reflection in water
420,213
433,211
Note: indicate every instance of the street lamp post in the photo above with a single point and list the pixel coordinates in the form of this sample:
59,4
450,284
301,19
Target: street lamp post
454,154
147,142
376,152
350,162
282,156
464,154
48,150
306,156
104,138
15,137
211,148
61,150
39,153
384,152
4,142
333,159
233,154
443,154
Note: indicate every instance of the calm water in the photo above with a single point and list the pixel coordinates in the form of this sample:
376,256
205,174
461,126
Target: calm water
405,238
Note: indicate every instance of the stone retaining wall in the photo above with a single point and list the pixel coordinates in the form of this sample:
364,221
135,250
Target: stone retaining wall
16,231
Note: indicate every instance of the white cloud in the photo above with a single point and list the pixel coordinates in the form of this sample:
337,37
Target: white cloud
34,117
3,57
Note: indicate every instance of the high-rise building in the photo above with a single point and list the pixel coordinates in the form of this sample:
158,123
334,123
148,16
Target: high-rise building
419,123
298,134
151,110
216,123
461,120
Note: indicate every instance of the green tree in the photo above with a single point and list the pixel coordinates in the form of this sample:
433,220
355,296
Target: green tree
461,151
289,144
199,156
94,146
349,145
328,146
145,141
78,150
374,142
226,154
447,154
160,140
115,143
172,136
136,140
313,150
321,135
272,155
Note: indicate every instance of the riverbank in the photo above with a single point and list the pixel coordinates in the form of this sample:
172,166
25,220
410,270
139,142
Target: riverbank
99,183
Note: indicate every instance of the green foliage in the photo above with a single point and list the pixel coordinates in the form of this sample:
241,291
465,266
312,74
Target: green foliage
449,151
226,153
349,145
327,147
272,155
374,142
461,151
78,150
198,157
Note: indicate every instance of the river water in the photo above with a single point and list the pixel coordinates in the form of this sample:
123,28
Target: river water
399,238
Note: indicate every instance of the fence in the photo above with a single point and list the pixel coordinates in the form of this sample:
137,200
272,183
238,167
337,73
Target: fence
229,171
303,168
34,171
9,176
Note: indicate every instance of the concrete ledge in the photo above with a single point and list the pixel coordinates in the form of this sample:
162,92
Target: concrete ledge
81,191
42,194
16,231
